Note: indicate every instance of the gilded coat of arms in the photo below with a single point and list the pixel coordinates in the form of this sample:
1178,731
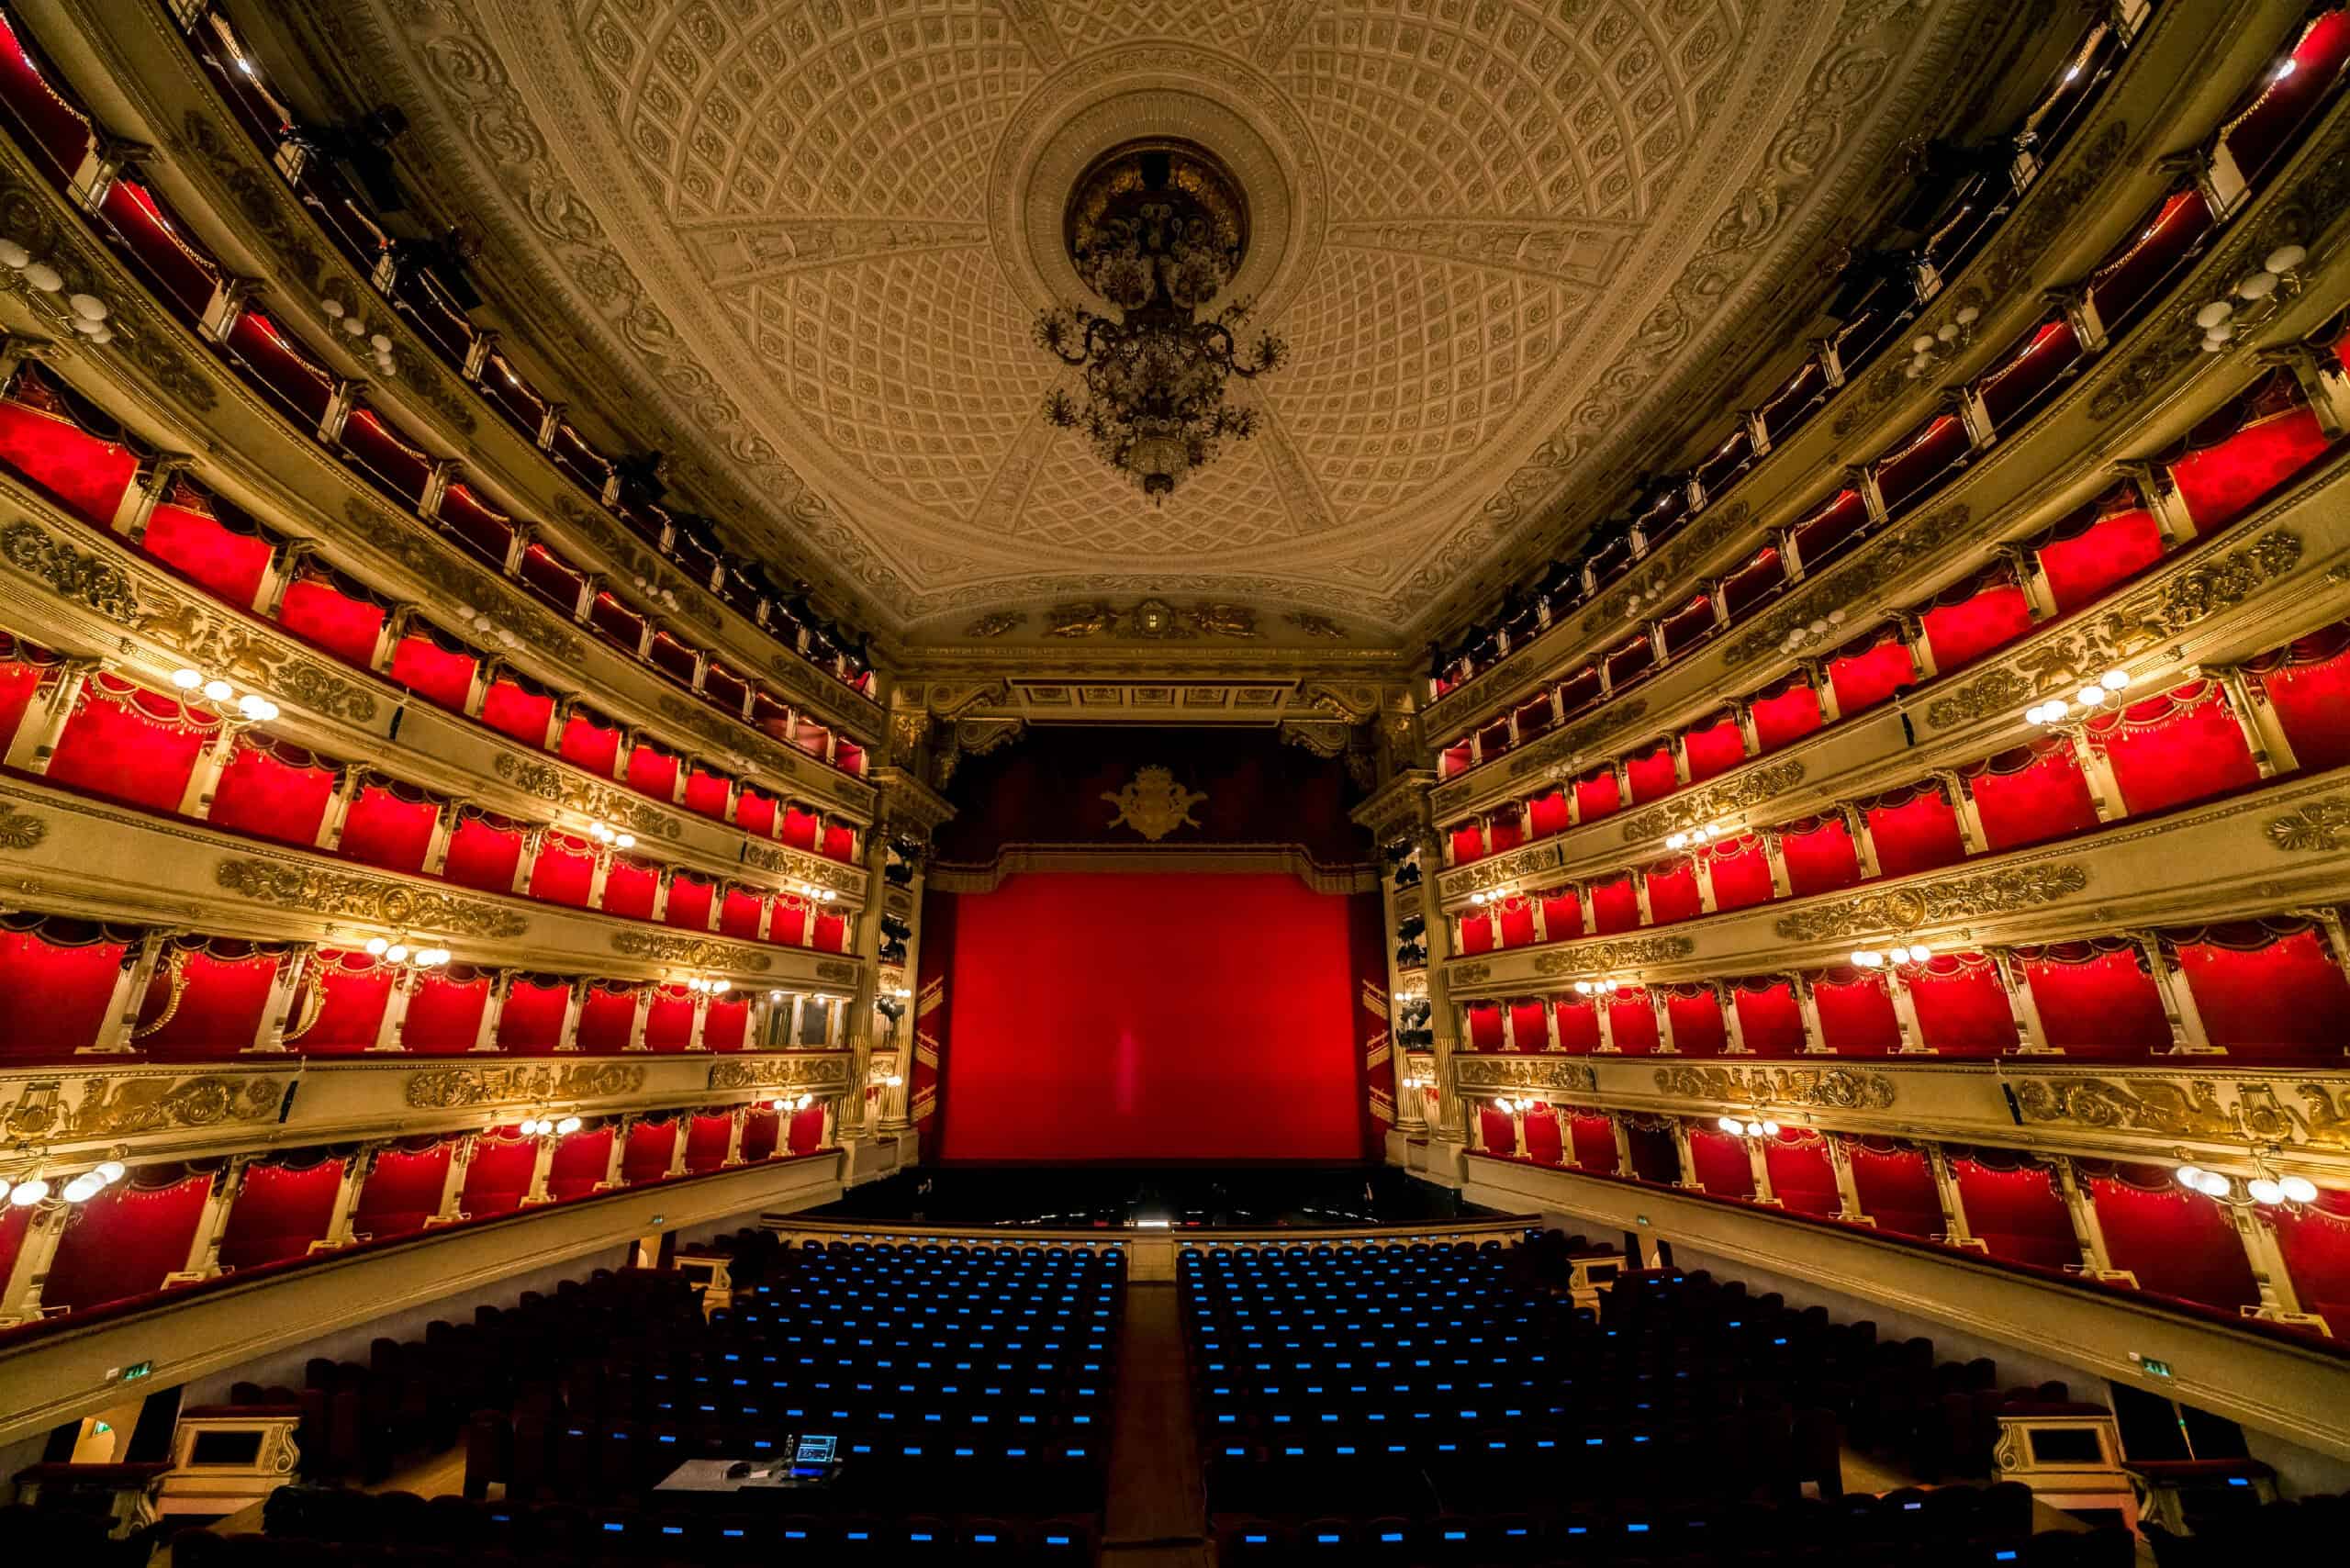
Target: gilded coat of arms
1153,804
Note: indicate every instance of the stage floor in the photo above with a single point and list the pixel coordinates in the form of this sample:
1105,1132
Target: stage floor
1065,1197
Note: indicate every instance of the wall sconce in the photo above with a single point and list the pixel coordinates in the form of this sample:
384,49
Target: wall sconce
1737,1128
1602,987
618,840
710,987
791,1103
1952,335
542,1127
1697,835
2265,1191
398,950
251,708
1873,958
2083,704
36,1191
2256,296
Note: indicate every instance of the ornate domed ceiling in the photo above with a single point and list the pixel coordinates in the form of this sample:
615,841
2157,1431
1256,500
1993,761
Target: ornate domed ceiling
804,242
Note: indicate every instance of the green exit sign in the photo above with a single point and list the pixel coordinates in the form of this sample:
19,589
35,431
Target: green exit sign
657,1219
2155,1368
136,1371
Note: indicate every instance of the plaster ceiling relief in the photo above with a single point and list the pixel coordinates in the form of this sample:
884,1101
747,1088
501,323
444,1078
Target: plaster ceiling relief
813,235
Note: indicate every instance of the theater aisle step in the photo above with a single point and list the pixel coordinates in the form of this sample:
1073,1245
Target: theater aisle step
1157,1511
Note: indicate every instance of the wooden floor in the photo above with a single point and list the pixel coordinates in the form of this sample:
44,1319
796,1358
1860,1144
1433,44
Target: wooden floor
1157,1511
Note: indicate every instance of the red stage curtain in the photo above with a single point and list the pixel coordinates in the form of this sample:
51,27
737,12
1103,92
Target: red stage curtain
652,771
2308,685
2080,570
1722,1165
2222,482
2268,993
1770,1020
2316,1245
607,1019
2182,746
1578,1024
564,870
1914,830
1993,615
1548,813
1544,1136
1716,748
531,1023
689,901
1594,1143
514,708
1485,1027
1123,1054
1655,1157
1786,714
1652,774
1740,870
483,851
807,1130
1517,922
579,1163
591,742
1672,893
1697,1026
404,1189
761,1128
444,1011
279,1211
272,791
2096,999
1866,672
500,1175
799,827
1468,843
2017,1213
1801,1177
343,1003
725,1022
196,545
628,887
831,933
1596,797
1614,905
739,915
84,473
2177,1242
2030,794
1562,913
61,972
651,1146
1895,1187
1500,1133
1528,1021
669,1022
131,745
1961,1007
388,827
755,813
125,1239
219,1002
1631,1022
314,610
442,676
1476,930
1819,856
706,1141
1856,1014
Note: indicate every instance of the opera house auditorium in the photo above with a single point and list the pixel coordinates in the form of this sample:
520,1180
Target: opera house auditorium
1174,783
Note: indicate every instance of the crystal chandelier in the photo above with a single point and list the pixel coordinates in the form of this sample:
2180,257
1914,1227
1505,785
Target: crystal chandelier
1158,231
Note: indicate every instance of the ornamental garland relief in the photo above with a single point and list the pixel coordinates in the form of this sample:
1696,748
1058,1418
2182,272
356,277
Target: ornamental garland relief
1523,1072
1153,804
2229,1111
453,1088
1955,898
1831,1088
781,1072
71,1109
693,952
1746,790
1629,953
377,900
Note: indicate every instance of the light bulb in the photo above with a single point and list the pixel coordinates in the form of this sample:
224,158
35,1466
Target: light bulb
2189,1177
43,277
1613,986
1923,343
2285,68
88,306
1584,986
1770,1128
13,255
567,1127
1754,1130
219,690
528,1127
396,953
775,996
625,841
2264,1191
250,706
377,946
1728,1124
2300,1189
722,987
1677,841
2257,285
777,1104
111,1171
2283,258
2090,696
2215,1185
1919,952
26,1193
2056,709
187,679
82,1188
2211,315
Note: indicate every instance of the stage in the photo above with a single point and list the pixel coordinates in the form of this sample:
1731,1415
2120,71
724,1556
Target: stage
1173,1197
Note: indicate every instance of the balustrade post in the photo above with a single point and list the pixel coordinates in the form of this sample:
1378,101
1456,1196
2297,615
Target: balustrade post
1687,1155
436,847
2024,1008
1814,1039
269,1037
36,1251
1758,1161
1954,1201
211,1221
137,973
2186,1034
1733,1031
2264,732
1615,1124
615,1158
1774,856
1848,1190
2281,1297
43,722
640,1016
541,1166
2089,1233
391,1028
357,1167
451,1208
575,998
204,778
1905,1013
1856,826
493,1010
151,482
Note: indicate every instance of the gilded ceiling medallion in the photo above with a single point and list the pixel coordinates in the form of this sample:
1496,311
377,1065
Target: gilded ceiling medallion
1153,804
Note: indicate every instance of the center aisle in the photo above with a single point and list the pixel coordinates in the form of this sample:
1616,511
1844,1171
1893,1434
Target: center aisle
1157,1512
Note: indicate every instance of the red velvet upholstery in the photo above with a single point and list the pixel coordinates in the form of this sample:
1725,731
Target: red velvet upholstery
213,1007
1548,813
58,133
1961,1007
739,915
689,901
441,676
84,473
607,1019
125,1240
1673,892
1697,1026
579,1162
1820,857
1913,830
387,827
271,792
2308,685
628,887
531,1023
2220,483
512,709
2268,993
1631,1022
484,853
1770,1020
2316,1245
1545,1140
500,1173
321,614
1866,672
2031,794
2017,1214
404,1189
2177,1242
761,1128
1578,1021
1562,913
1856,1016
1615,905
279,1211
2096,1000
726,1021
1786,714
1497,1129
195,544
2117,546
755,812
591,743
1723,1165
564,870
342,1001
706,1141
1962,631
650,1146
1476,930
1652,774
1595,795
1485,1027
2182,746
1517,922
61,972
652,771
128,743
1594,1140
1716,748
444,1011
669,1022
1895,1187
1741,868
1801,1177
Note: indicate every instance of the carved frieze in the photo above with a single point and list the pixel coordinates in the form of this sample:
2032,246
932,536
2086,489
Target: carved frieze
693,952
1472,974
1748,788
458,588
2142,621
837,972
2316,827
1603,958
2225,1109
826,1071
1523,1072
1497,869
1562,749
447,1089
376,900
805,868
20,830
1932,903
1845,590
71,1109
79,577
552,781
1827,1087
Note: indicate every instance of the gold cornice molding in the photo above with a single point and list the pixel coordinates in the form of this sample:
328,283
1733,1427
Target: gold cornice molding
2005,891
1619,954
829,1070
76,1104
1826,1088
373,899
691,952
1556,1074
1236,860
455,1088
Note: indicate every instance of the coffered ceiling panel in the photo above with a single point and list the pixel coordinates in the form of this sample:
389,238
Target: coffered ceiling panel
806,240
